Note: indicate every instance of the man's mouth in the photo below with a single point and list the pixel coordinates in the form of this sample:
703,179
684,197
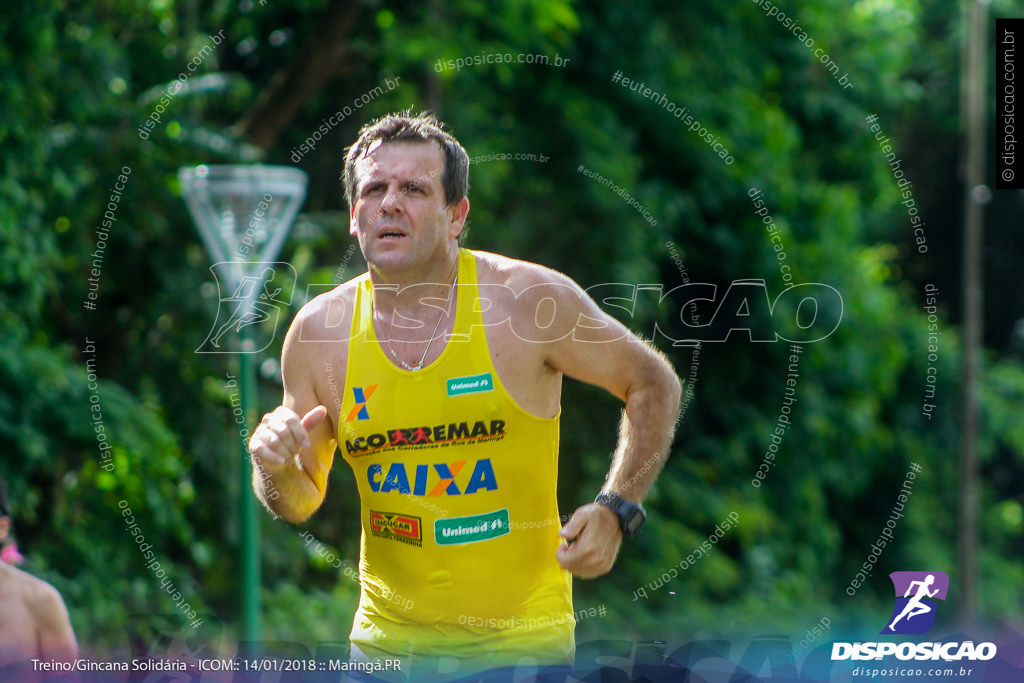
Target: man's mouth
390,234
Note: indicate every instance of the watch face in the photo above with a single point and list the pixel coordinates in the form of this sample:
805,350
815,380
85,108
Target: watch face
635,521
631,515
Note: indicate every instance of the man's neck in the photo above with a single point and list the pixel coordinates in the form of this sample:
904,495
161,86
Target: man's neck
404,292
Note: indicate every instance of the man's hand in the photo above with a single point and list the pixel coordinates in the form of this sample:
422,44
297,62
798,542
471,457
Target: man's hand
593,537
282,435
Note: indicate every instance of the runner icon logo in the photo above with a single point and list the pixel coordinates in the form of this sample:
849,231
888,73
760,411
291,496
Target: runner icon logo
916,592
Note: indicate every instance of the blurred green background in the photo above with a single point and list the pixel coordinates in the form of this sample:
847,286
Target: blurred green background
77,80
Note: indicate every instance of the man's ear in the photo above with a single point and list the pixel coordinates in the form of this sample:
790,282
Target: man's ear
457,217
352,221
5,527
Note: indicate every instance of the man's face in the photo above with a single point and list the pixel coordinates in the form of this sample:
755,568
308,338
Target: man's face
399,216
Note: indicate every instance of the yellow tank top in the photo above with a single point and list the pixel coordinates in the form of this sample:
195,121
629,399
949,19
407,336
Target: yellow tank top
457,489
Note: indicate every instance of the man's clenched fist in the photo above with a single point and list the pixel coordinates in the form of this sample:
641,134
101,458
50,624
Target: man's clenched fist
282,435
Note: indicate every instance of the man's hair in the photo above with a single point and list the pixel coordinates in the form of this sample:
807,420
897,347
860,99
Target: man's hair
405,127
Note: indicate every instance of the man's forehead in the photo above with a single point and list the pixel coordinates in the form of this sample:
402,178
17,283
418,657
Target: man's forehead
407,159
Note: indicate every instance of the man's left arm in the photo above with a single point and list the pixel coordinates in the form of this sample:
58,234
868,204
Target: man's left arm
601,351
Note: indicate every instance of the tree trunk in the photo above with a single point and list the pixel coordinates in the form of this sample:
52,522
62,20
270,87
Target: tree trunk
318,63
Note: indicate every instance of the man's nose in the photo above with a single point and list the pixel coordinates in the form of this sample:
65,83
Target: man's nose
392,201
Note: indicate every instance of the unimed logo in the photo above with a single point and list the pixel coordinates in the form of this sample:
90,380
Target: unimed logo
916,596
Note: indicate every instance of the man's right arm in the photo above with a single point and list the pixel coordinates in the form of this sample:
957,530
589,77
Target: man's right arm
293,447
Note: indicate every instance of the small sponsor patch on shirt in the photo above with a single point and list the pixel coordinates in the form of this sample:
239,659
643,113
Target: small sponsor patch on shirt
398,527
471,384
471,529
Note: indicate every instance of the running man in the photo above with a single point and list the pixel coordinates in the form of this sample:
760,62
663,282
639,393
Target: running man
33,619
914,606
447,411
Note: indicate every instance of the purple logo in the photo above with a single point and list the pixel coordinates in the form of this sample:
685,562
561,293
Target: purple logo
916,593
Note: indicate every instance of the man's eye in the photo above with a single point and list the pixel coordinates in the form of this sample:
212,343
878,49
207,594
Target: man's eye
413,188
373,189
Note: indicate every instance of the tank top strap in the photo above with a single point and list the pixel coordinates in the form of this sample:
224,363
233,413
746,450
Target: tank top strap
362,313
468,321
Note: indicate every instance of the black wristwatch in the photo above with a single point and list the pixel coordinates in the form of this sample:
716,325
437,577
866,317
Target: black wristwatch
631,515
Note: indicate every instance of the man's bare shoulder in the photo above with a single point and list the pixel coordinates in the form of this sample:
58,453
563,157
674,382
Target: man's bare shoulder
327,315
41,598
542,304
519,276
